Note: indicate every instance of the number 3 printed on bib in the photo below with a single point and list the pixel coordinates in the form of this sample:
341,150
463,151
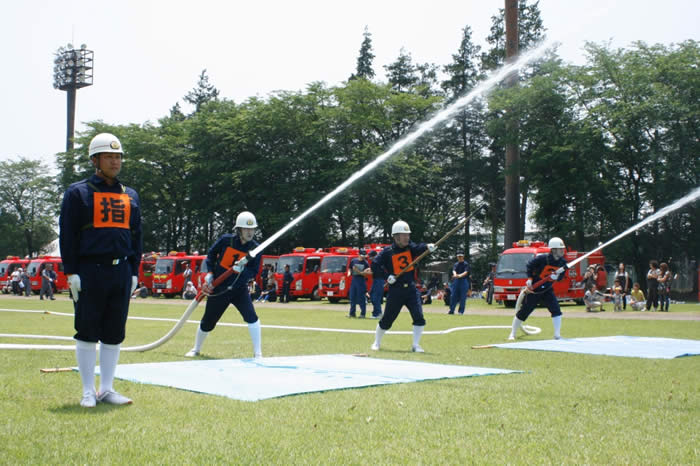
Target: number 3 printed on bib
401,261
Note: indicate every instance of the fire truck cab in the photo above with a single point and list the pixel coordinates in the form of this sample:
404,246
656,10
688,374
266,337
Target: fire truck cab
146,269
8,266
168,276
305,266
37,266
333,281
511,272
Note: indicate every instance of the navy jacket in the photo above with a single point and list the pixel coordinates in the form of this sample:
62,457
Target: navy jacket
112,229
392,259
543,265
225,252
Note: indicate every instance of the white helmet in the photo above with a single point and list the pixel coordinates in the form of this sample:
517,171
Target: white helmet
105,142
556,243
400,227
246,220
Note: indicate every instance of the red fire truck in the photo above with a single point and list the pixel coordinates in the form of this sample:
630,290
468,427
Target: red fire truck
305,265
333,281
511,272
36,266
168,276
147,267
8,266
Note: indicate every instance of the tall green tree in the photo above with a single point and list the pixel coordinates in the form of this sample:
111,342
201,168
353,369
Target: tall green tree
202,93
365,59
28,200
463,140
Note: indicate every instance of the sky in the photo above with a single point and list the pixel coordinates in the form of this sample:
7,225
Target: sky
149,53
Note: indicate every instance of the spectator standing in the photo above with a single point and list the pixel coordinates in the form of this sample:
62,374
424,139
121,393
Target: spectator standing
187,273
625,283
376,293
15,279
653,285
47,278
460,284
664,287
26,282
358,270
488,283
618,296
287,279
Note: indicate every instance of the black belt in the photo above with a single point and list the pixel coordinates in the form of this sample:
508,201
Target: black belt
104,260
403,285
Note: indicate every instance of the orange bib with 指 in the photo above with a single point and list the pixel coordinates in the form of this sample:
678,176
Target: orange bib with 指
401,261
548,270
230,257
111,210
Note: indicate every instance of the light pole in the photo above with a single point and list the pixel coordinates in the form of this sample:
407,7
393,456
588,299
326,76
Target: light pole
72,70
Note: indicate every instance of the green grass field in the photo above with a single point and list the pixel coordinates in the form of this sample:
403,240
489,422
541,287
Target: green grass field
566,408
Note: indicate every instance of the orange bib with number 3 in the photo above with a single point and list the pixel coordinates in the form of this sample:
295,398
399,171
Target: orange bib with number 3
111,210
230,257
400,261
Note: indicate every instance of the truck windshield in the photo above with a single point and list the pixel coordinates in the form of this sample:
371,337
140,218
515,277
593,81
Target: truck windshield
164,266
334,264
33,269
295,263
513,265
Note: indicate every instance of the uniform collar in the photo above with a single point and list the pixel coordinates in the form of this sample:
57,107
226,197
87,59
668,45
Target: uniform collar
94,179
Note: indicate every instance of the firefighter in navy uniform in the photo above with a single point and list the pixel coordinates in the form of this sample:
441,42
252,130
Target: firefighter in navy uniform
100,241
231,250
402,289
552,267
358,270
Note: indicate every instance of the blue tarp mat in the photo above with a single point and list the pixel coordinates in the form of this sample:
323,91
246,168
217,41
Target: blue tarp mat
620,345
259,379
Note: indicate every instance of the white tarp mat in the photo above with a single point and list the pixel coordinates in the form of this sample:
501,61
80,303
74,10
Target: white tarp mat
259,379
620,345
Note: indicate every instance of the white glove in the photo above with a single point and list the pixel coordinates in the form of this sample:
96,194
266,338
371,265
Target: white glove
208,280
431,247
391,279
74,285
554,277
528,283
134,282
238,266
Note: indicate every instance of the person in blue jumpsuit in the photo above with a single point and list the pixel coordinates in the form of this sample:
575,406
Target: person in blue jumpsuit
287,279
100,240
460,284
376,293
551,267
402,289
231,251
358,270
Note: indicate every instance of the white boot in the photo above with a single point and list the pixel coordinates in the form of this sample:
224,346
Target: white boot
378,338
556,322
517,323
417,332
198,341
86,355
254,330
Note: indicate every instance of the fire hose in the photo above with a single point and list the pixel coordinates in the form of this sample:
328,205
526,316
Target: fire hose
176,328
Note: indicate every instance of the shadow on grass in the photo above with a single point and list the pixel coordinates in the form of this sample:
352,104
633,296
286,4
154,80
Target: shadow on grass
75,408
